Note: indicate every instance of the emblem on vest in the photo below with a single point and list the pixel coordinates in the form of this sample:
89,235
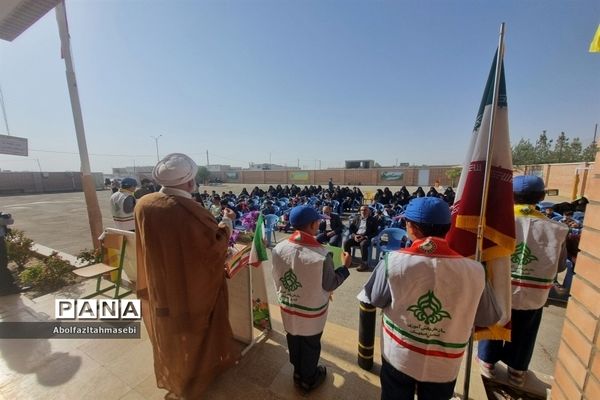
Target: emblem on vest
428,247
290,281
526,210
429,309
522,255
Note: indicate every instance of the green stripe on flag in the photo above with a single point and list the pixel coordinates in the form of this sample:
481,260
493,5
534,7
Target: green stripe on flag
259,251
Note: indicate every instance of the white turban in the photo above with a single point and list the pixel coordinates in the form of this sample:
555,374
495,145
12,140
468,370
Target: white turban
175,169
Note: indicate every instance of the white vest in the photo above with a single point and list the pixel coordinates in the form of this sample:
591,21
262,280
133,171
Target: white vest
298,278
535,261
427,326
123,220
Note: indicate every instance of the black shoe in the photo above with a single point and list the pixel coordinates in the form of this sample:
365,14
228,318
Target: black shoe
318,380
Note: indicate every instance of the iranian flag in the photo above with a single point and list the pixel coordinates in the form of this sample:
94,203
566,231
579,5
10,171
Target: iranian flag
499,222
258,252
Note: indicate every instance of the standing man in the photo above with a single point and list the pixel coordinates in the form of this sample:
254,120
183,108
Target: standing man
7,282
330,185
181,252
430,296
147,187
330,228
304,276
540,253
122,203
362,229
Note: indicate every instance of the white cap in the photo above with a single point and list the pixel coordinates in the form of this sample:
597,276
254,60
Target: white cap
175,169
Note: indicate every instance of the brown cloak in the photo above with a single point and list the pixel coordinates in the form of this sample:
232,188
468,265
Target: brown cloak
181,254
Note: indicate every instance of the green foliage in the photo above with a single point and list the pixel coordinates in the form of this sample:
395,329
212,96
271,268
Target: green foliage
48,274
561,149
589,153
546,150
202,175
523,153
89,256
18,247
542,149
454,174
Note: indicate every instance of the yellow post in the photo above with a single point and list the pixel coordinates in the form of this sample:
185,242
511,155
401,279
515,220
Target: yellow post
575,185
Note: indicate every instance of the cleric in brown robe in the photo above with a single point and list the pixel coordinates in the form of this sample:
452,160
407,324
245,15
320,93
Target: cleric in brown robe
181,253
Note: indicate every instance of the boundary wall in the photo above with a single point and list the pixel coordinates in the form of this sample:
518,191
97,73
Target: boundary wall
577,369
16,183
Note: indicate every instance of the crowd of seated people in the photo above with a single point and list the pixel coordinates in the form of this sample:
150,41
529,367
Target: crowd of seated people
367,220
334,201
278,200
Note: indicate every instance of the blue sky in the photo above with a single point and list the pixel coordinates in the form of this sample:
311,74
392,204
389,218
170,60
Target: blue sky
288,80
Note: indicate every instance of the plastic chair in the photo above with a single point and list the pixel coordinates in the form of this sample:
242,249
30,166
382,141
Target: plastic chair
335,205
578,216
545,204
369,251
378,206
271,221
396,239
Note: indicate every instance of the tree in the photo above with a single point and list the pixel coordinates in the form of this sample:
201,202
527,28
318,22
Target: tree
560,149
523,153
574,151
202,175
563,151
589,153
453,174
543,149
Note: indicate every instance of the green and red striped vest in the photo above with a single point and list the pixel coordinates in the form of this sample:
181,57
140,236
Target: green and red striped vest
298,277
435,292
535,260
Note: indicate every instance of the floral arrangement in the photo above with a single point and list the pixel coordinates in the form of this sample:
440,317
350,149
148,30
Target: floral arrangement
249,220
246,235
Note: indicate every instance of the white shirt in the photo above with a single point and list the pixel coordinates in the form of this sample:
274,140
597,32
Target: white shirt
362,227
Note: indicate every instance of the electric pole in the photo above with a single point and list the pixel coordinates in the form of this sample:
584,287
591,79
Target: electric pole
156,142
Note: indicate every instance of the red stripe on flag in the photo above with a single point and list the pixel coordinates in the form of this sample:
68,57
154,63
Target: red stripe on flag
435,353
499,215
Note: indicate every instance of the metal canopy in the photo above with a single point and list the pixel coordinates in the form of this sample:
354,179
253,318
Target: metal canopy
16,16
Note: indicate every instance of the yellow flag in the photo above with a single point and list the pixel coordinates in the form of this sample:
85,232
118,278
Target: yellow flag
595,45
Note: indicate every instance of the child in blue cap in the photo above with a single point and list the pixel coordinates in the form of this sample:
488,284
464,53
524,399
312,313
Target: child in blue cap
540,253
304,276
430,296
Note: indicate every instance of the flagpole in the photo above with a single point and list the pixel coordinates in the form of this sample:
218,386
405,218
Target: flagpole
486,187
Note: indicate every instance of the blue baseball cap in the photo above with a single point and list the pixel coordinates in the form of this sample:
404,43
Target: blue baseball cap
303,215
428,210
128,183
527,184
